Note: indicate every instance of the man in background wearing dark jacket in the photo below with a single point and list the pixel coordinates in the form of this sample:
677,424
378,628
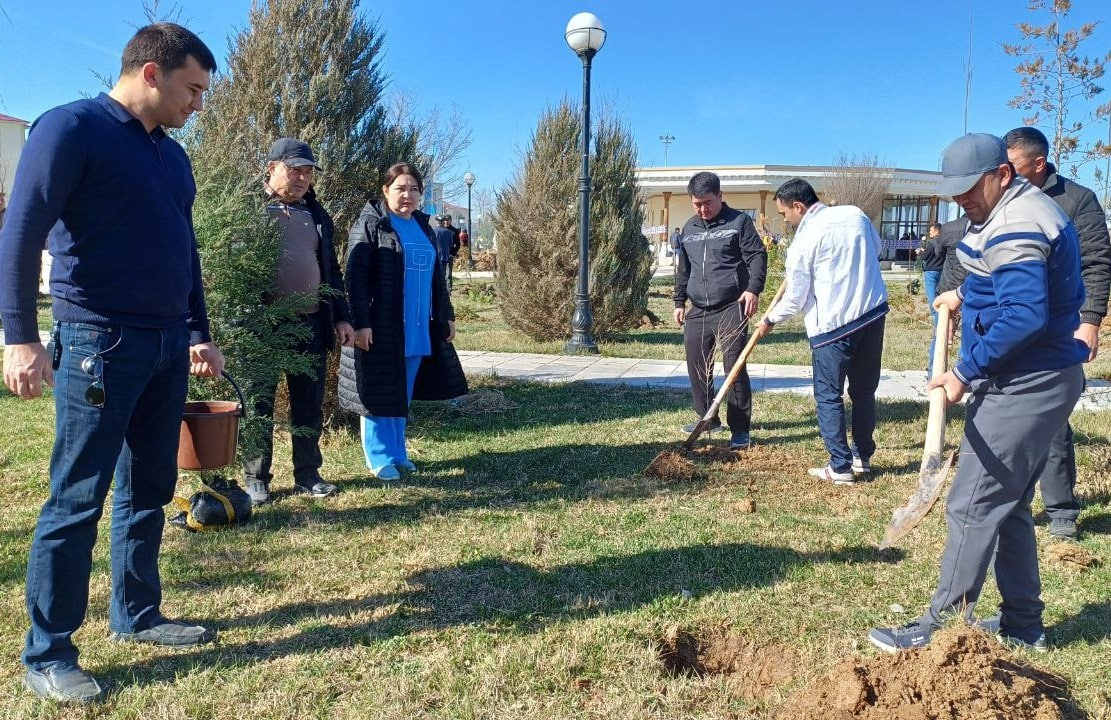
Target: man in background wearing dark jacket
721,271
447,244
307,263
932,254
1027,149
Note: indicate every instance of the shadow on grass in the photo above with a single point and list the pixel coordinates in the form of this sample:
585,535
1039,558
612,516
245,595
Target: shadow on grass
500,594
1091,625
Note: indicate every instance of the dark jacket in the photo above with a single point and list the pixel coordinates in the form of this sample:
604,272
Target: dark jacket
933,255
719,260
372,382
447,244
1082,207
333,306
952,272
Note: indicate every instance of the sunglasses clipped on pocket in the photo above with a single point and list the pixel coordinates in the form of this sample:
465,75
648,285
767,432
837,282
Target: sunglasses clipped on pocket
93,366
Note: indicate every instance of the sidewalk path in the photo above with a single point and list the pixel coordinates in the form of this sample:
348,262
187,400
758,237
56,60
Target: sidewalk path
894,384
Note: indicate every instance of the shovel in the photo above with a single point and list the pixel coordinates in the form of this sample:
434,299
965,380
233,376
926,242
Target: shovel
932,474
731,378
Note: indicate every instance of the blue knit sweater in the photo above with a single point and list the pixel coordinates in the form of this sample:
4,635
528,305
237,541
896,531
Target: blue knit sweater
113,204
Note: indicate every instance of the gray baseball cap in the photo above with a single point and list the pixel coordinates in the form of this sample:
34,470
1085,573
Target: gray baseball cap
966,160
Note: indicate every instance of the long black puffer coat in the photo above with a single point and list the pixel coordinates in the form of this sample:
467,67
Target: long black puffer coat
372,382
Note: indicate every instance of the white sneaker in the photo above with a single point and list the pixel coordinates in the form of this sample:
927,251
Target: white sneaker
828,473
861,466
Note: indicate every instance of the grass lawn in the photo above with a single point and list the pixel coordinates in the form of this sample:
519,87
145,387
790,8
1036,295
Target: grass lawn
530,569
906,337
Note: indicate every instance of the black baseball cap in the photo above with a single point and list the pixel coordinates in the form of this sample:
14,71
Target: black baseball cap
292,152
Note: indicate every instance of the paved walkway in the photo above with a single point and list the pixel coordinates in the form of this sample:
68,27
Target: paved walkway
894,384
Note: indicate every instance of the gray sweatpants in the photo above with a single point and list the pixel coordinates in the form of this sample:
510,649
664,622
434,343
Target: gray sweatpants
1009,424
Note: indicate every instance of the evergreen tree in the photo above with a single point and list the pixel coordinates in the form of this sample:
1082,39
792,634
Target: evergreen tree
308,69
538,231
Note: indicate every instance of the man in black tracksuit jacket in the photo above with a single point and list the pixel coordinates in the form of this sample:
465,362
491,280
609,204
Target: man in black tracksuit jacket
721,271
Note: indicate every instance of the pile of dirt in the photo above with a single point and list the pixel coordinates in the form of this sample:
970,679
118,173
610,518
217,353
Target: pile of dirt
1071,556
672,466
963,674
752,670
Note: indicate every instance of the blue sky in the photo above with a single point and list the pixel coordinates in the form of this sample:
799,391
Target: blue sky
734,82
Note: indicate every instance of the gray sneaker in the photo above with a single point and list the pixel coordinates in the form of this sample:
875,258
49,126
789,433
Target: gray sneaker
169,633
258,491
65,683
1063,529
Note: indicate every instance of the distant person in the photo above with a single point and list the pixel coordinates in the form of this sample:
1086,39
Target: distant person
110,193
307,264
447,245
675,241
404,322
833,277
465,239
3,208
721,272
1020,365
932,254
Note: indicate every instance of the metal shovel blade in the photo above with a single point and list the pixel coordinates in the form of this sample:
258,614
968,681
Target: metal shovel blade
931,478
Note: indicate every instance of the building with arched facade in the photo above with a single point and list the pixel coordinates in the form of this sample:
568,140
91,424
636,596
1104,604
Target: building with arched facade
910,204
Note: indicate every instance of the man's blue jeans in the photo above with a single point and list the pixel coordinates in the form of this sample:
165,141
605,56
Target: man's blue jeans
135,436
855,358
930,279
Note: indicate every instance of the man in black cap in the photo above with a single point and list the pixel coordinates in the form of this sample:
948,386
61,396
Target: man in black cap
1020,365
307,263
447,244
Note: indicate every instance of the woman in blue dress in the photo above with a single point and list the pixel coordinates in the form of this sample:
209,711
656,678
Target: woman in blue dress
403,321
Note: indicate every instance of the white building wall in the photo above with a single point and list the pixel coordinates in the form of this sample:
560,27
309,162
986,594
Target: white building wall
12,137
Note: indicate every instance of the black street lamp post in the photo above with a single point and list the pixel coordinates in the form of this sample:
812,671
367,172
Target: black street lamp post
469,179
586,36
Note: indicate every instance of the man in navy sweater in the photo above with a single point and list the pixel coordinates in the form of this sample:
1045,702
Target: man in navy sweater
1020,365
110,194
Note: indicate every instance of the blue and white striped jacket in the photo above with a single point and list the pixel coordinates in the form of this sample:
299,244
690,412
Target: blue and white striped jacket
1023,291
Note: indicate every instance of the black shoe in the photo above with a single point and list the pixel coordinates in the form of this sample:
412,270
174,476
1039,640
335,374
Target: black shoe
64,683
318,489
258,490
715,424
169,633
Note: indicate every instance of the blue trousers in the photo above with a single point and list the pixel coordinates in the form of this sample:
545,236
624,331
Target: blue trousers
133,436
1009,425
930,279
855,358
384,437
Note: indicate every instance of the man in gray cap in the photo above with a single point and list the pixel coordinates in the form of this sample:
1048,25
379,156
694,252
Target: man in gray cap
1021,366
307,263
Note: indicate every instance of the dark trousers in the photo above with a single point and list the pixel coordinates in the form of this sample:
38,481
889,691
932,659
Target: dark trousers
855,358
1009,424
1058,480
134,438
447,273
306,415
703,331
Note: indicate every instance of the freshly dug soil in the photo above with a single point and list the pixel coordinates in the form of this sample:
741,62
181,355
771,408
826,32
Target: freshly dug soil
752,670
672,466
1071,556
963,674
